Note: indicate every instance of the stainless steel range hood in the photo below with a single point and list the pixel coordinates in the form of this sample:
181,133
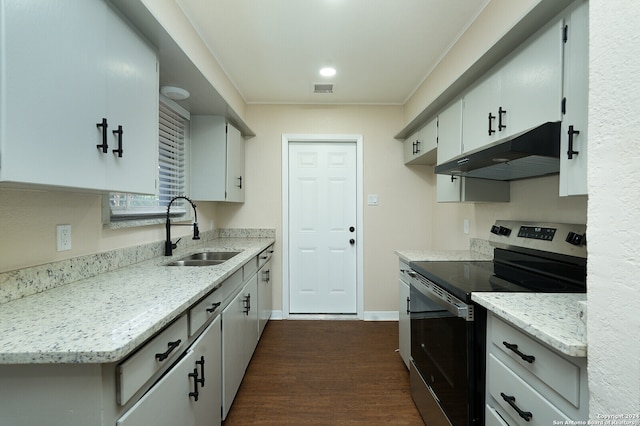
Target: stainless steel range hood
535,152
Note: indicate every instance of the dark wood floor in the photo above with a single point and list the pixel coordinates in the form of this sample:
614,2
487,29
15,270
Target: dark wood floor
326,373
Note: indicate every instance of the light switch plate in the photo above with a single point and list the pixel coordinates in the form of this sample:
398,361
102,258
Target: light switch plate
372,199
63,237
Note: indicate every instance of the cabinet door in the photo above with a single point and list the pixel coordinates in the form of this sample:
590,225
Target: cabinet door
480,108
421,147
53,92
573,171
531,83
132,102
208,358
409,147
449,146
235,165
168,402
404,324
251,318
233,348
265,296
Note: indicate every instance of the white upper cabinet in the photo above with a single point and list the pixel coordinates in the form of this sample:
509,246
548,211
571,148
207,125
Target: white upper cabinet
522,92
66,66
456,189
420,147
217,160
573,142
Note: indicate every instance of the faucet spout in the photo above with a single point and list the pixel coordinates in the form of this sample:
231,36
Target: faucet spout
168,245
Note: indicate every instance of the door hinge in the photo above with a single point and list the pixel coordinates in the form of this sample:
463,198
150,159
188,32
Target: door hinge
565,33
564,106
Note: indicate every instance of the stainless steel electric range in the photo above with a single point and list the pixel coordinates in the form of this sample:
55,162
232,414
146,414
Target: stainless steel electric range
448,330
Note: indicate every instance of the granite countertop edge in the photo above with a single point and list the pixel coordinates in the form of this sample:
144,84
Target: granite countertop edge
104,318
556,319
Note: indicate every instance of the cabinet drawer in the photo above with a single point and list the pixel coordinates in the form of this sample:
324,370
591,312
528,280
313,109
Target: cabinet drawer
493,418
139,367
504,383
551,368
249,269
265,256
205,309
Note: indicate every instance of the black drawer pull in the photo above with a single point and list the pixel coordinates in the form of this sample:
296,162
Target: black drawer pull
214,306
172,346
195,394
201,364
514,348
491,118
118,132
104,126
501,126
511,400
571,152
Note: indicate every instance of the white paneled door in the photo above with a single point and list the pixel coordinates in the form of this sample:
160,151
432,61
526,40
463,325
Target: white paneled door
322,228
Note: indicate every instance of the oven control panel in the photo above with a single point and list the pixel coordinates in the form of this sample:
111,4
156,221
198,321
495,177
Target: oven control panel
537,233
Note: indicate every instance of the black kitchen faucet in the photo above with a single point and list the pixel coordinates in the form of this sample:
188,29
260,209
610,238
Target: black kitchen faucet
168,245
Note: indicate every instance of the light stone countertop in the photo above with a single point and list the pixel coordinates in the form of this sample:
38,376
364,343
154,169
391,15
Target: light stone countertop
104,318
557,319
435,255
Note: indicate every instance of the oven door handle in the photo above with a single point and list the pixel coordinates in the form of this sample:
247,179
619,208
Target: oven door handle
453,305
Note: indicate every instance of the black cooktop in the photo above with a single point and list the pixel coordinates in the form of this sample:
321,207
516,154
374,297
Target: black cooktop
461,278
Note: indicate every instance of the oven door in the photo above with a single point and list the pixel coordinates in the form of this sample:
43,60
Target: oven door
442,342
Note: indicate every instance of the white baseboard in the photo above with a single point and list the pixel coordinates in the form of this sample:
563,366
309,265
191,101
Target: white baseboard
368,316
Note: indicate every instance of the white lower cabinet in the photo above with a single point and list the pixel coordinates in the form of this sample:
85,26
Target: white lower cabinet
529,383
168,402
239,339
265,290
404,322
189,392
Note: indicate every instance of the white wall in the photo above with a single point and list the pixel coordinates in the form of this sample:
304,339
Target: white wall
613,325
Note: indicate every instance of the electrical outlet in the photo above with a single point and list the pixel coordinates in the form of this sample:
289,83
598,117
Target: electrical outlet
63,237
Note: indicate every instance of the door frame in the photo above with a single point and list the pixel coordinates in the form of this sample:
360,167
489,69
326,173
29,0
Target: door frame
317,138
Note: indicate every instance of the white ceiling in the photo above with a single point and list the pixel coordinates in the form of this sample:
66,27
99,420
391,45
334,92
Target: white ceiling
272,50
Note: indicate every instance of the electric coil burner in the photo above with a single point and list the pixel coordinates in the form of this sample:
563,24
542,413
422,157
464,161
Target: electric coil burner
448,330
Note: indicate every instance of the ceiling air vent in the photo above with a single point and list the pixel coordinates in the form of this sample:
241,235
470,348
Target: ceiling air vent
323,88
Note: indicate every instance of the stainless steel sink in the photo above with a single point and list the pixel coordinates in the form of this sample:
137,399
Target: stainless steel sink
204,258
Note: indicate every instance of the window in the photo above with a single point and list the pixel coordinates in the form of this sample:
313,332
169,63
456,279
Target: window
173,134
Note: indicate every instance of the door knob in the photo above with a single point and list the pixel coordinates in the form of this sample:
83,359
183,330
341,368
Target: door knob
351,229
352,241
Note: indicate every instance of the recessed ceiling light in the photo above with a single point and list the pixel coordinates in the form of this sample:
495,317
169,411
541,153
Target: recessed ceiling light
328,72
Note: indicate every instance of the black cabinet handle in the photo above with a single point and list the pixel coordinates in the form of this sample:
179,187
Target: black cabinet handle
118,132
266,276
571,152
511,400
417,147
195,394
491,118
514,348
500,115
104,126
214,306
247,304
352,241
240,183
201,364
172,346
408,306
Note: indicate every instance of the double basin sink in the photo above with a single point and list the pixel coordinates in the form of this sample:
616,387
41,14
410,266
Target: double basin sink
204,258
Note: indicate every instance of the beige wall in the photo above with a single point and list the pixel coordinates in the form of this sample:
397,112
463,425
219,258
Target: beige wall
28,220
401,220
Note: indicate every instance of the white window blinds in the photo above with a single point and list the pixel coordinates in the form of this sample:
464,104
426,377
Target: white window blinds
173,125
